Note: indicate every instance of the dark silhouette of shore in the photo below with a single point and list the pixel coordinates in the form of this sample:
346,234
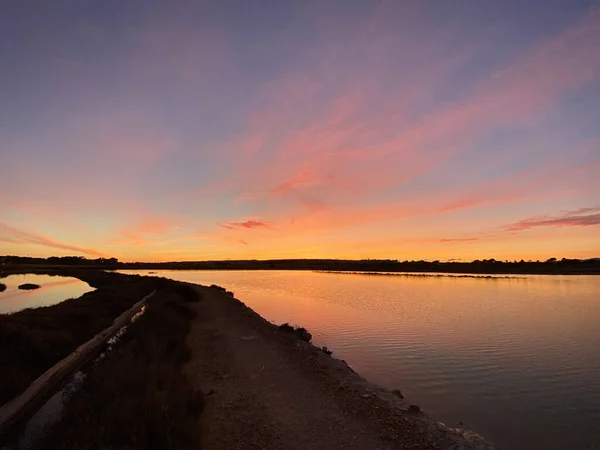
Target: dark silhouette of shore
552,266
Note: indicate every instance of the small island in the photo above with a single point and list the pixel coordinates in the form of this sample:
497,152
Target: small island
29,286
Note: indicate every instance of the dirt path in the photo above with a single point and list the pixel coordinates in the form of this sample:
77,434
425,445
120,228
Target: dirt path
266,389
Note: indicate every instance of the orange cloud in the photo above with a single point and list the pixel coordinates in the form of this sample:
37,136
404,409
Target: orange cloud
147,232
15,236
459,240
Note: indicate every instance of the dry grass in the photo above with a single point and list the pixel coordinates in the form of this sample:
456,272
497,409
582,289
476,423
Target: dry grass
33,340
137,397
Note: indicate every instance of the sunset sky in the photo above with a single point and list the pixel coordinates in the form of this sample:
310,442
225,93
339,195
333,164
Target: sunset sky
190,130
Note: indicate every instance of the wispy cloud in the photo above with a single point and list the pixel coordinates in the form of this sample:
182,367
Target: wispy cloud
344,157
447,142
145,232
583,217
471,239
248,224
14,235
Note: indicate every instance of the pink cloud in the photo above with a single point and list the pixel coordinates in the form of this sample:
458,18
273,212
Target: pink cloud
583,217
341,158
248,224
14,235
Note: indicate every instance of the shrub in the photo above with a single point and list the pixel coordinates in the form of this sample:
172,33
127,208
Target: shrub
326,351
300,332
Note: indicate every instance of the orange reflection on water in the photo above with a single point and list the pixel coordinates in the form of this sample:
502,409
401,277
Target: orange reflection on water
515,358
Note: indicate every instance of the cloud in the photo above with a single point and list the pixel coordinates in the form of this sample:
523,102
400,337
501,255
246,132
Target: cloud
342,141
248,224
583,217
15,236
459,239
138,234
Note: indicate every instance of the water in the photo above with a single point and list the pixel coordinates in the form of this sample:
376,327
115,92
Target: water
54,289
516,359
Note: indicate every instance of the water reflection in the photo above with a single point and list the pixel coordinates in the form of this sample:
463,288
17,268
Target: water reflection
53,289
516,359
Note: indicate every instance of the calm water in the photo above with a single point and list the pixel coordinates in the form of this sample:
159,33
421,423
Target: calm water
515,359
54,289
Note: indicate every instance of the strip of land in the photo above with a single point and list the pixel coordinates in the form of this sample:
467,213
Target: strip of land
552,266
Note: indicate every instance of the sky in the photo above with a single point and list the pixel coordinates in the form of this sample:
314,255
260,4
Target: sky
195,130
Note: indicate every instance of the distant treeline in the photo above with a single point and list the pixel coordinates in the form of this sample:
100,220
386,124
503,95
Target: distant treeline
550,266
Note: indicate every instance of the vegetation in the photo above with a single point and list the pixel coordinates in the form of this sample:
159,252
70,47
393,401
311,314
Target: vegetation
221,288
550,266
138,397
299,332
33,340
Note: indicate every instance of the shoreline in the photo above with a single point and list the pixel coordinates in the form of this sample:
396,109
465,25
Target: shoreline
485,267
277,390
260,349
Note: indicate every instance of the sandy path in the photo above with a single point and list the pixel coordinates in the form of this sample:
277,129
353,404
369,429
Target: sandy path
268,390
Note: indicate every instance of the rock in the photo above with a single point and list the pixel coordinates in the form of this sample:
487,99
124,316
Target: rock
398,393
414,408
29,286
2,287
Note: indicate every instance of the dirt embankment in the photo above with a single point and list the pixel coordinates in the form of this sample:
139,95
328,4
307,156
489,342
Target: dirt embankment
267,389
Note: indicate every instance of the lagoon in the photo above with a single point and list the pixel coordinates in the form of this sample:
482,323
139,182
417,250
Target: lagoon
52,290
514,358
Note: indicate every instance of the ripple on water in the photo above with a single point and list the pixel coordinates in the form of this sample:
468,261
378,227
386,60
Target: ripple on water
515,359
